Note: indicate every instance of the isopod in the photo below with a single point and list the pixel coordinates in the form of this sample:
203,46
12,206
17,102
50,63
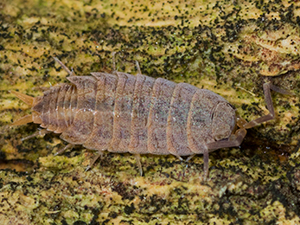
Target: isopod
121,113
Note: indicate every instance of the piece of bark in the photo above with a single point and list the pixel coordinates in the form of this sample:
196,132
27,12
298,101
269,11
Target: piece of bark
224,46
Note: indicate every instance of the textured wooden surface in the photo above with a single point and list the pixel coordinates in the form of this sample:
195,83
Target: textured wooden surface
224,46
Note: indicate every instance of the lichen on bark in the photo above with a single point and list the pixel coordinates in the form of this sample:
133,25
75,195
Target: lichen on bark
229,47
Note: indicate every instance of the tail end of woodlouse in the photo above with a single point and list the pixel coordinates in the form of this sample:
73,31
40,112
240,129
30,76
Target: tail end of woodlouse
31,101
25,98
24,120
28,100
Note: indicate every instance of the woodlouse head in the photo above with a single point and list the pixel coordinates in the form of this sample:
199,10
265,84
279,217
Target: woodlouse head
223,121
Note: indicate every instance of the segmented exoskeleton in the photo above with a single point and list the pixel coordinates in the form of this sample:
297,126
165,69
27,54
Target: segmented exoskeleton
122,113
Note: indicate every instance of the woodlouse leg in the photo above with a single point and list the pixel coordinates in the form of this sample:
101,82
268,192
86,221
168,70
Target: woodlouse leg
181,159
280,90
190,157
138,160
237,138
37,133
233,141
68,146
100,154
138,67
71,73
114,61
268,99
206,164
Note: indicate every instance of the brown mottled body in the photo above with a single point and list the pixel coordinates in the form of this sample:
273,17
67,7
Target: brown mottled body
138,114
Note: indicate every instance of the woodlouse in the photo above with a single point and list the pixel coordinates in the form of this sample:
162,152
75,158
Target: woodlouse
138,114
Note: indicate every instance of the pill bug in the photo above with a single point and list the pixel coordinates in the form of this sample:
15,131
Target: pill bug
121,113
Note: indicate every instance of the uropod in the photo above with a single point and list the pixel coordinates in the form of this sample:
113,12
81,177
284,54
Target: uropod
120,113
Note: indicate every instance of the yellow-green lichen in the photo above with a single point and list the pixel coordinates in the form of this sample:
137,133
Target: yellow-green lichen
225,46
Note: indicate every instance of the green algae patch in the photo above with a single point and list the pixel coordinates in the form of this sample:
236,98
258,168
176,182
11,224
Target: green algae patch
84,196
61,163
229,47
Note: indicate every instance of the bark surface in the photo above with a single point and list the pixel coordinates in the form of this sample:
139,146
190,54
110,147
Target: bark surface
229,47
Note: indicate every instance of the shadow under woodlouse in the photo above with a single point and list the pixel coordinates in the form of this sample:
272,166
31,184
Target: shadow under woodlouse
138,114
